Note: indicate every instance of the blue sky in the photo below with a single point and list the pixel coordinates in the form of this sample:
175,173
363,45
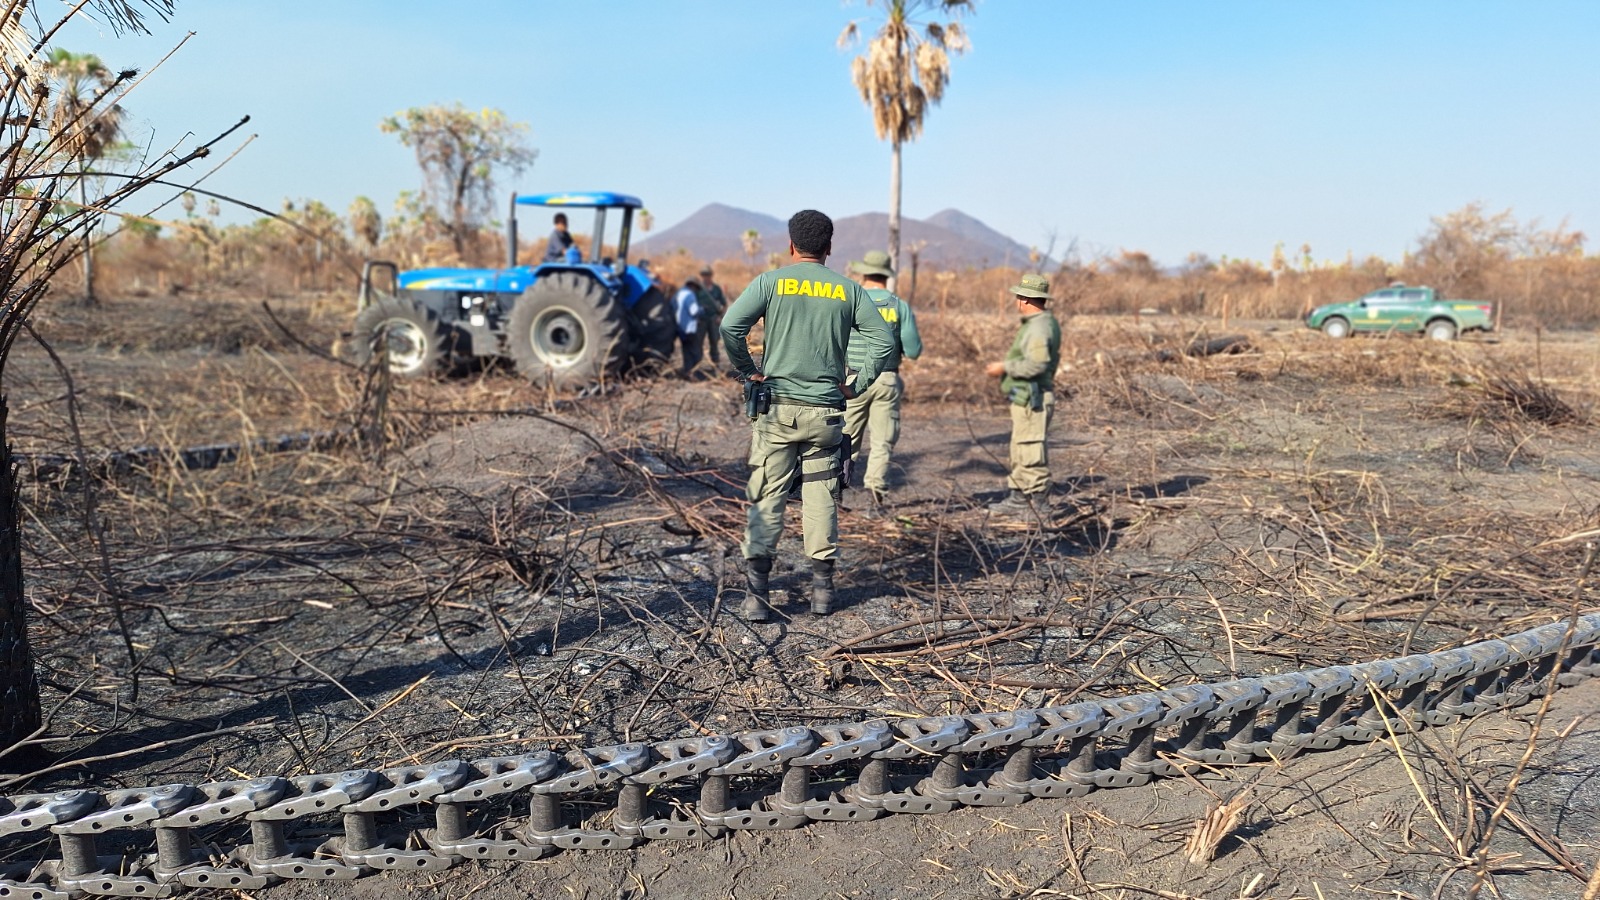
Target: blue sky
1167,127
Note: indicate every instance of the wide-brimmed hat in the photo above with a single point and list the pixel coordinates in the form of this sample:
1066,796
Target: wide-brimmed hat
707,271
1035,286
875,262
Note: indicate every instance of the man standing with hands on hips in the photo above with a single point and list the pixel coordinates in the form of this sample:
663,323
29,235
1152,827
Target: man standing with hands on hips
811,315
1027,379
878,408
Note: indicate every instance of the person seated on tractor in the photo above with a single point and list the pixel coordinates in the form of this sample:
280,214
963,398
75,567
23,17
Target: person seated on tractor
560,241
655,277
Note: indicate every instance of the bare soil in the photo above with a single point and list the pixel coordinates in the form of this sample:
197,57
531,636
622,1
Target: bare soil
508,569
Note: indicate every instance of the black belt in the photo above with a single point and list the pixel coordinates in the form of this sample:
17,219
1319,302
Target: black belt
786,401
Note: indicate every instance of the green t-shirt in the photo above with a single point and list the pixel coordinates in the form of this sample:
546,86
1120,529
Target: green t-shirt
812,314
902,322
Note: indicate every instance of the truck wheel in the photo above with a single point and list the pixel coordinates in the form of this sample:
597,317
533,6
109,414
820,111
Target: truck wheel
655,331
1442,330
567,329
1336,327
416,341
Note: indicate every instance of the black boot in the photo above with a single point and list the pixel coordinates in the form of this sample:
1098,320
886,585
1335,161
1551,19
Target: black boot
877,505
821,587
1014,503
757,572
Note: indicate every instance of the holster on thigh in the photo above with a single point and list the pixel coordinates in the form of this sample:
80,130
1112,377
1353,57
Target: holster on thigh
821,464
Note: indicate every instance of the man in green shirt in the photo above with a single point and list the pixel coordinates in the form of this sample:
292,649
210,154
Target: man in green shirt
1027,379
879,406
713,303
811,313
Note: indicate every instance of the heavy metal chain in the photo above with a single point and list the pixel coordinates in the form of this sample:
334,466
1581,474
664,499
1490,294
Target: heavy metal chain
248,834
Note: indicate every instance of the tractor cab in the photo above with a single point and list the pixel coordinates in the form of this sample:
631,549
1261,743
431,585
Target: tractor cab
630,282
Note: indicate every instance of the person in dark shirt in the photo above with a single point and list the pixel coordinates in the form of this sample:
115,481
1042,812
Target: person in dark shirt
560,241
713,303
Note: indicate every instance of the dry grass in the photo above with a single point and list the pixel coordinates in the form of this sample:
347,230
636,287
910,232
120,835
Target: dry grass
1552,288
1214,827
1241,514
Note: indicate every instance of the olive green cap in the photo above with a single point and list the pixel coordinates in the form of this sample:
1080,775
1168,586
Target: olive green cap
1035,286
875,262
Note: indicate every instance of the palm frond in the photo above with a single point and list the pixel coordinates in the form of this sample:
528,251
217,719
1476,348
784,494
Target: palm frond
126,16
906,65
17,46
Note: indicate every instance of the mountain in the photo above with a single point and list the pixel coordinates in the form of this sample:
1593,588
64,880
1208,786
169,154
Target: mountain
713,233
959,222
948,239
937,245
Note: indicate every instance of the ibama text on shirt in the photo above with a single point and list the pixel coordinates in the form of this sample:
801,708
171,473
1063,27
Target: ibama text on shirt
823,290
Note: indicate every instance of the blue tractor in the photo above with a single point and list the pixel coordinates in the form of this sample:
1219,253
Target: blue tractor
569,322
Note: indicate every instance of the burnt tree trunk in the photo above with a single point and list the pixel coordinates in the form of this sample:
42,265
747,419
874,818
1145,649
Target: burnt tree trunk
19,685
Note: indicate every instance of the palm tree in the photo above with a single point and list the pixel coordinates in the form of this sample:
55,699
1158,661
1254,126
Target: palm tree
903,72
365,222
87,126
751,241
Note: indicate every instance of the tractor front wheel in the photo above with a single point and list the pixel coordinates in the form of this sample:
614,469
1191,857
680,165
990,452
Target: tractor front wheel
413,338
567,330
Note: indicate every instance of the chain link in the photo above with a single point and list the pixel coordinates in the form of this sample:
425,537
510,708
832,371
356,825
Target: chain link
616,797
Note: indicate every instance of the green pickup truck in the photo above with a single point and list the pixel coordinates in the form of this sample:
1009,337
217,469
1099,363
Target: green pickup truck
1400,307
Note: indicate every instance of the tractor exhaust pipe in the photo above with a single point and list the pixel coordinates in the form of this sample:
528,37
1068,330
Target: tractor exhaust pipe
511,233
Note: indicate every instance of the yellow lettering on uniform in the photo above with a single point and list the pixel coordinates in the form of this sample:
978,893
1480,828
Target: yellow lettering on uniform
788,286
805,289
889,313
838,292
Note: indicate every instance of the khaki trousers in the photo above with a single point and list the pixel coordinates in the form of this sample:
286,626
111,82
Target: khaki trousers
877,411
1030,447
785,439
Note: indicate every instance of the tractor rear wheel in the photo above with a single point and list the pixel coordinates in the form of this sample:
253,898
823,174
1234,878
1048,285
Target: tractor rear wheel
655,331
568,330
413,337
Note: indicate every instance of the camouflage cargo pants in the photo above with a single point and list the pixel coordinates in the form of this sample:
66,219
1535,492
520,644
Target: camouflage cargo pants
785,439
1030,447
876,412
